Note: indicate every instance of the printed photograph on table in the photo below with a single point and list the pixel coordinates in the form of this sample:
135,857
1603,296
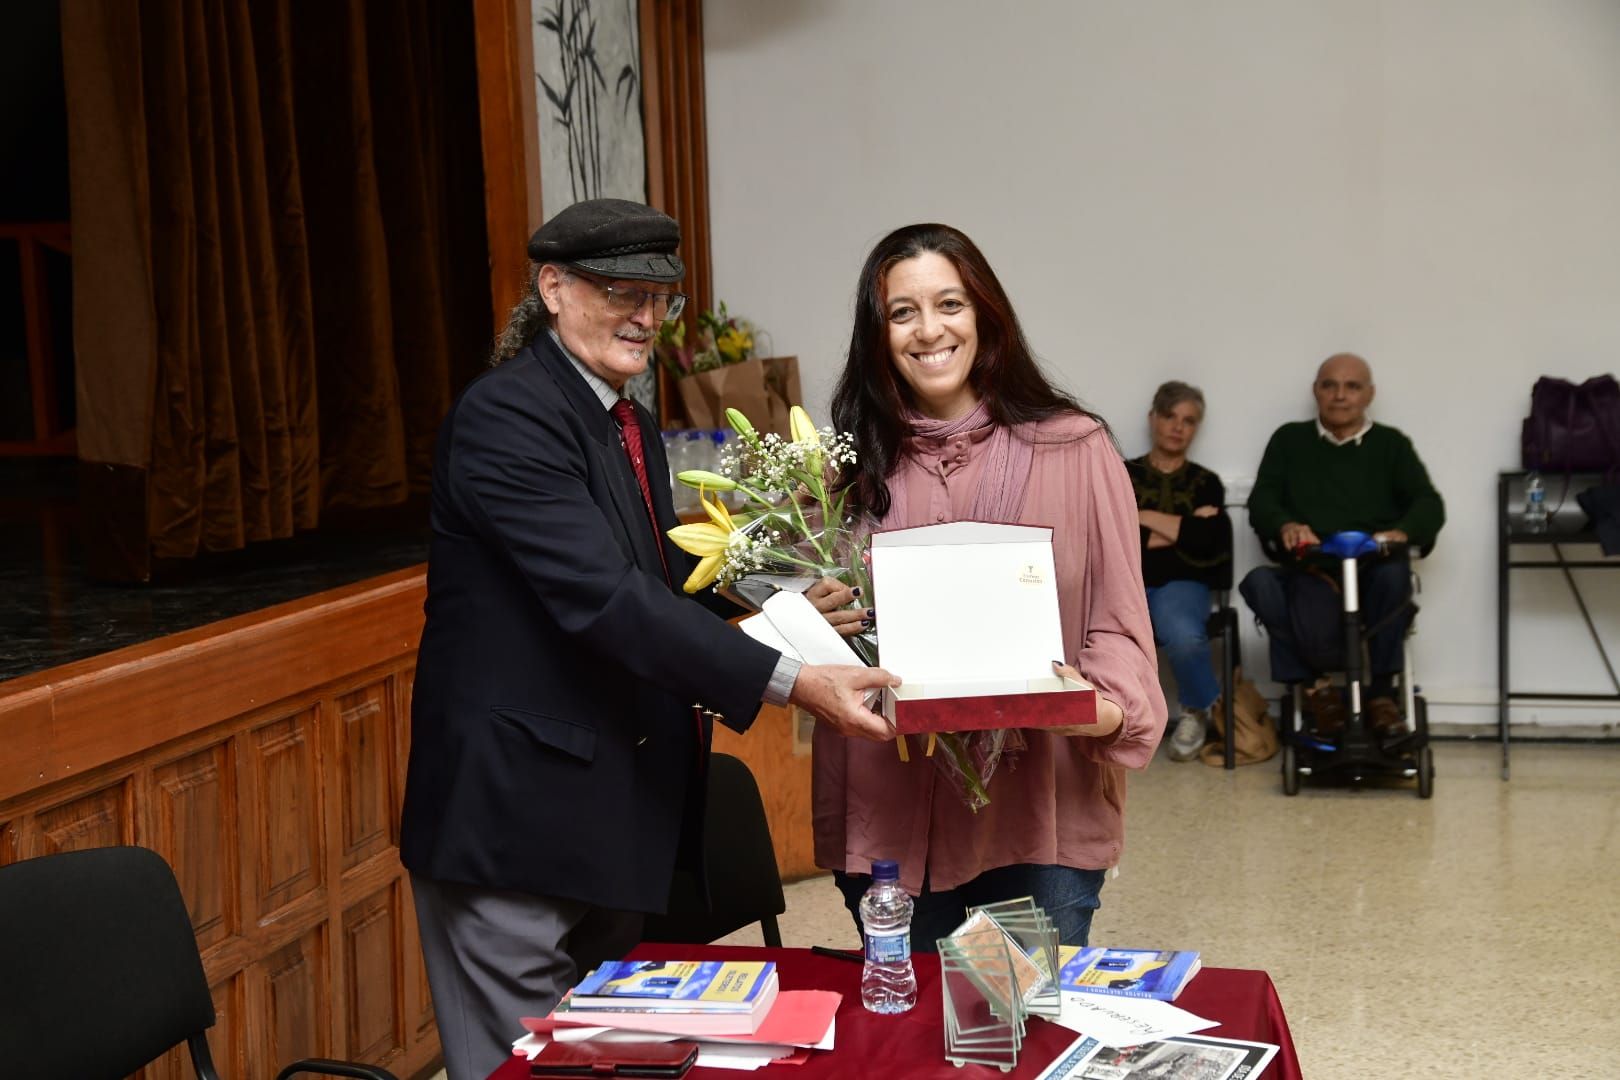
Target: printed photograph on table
1185,1057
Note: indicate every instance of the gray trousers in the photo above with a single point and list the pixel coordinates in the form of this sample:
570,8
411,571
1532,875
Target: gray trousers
495,956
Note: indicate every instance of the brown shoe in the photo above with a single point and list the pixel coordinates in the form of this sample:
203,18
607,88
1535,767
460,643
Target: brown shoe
1384,717
1325,704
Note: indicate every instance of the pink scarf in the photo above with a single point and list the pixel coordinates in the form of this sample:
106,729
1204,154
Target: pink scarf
1000,494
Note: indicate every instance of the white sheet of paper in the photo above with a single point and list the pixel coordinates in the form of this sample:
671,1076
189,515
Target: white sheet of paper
1126,1021
713,1055
761,629
807,630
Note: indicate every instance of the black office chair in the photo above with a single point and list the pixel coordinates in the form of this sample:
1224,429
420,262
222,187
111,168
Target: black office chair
100,973
744,884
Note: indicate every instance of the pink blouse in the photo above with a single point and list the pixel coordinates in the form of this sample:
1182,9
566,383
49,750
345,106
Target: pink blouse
1062,800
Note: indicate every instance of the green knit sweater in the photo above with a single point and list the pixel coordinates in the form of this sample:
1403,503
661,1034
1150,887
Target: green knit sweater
1375,485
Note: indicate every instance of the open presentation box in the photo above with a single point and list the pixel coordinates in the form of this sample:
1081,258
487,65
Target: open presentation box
968,615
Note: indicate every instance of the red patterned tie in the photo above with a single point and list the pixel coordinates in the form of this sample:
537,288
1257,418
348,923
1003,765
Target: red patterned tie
630,435
635,450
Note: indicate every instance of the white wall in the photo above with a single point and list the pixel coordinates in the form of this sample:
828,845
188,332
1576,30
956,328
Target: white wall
1225,193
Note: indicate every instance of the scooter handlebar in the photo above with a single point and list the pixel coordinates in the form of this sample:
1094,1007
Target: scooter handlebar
1350,545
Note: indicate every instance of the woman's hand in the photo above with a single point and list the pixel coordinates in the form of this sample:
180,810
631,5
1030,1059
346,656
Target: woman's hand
1109,715
833,598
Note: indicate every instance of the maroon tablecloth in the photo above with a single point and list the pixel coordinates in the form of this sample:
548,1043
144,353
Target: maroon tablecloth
913,1044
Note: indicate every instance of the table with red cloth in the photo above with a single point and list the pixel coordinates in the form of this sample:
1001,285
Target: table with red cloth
913,1043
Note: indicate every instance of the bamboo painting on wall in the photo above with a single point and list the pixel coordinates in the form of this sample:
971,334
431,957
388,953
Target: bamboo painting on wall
587,60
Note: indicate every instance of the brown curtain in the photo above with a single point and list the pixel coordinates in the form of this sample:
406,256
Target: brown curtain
298,178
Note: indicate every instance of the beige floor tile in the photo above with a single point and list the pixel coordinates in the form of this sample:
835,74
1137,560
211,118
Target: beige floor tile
1470,935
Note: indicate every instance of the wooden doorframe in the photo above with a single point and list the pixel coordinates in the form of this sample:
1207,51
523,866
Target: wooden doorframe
503,31
674,119
674,126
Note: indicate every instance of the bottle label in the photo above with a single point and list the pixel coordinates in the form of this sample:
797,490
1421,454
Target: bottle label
889,946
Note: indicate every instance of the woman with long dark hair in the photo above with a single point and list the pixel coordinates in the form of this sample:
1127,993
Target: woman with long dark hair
954,420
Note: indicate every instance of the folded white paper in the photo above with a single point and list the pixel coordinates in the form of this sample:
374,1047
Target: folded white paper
1126,1021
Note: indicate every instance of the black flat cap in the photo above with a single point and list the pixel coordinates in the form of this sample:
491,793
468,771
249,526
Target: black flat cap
615,238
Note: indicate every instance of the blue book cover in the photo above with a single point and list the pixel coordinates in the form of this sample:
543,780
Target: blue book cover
1145,973
720,985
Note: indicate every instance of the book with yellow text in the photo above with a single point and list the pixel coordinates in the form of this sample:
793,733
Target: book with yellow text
681,986
1143,973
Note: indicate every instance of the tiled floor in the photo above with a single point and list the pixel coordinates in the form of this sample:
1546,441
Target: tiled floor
1473,935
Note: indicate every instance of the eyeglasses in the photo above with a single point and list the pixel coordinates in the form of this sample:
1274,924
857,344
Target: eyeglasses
624,302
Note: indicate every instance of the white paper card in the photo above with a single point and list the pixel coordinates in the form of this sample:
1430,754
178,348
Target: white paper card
807,630
967,603
1126,1021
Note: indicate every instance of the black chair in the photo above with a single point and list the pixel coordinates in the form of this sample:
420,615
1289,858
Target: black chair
1223,625
744,884
100,973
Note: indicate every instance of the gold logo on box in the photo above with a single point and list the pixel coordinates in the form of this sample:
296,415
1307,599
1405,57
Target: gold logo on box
1030,576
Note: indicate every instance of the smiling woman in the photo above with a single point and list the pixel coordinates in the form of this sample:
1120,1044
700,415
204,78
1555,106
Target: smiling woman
933,333
953,420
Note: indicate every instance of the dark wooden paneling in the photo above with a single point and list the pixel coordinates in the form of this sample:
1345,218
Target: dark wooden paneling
288,814
376,1030
366,771
277,808
194,806
99,819
297,1011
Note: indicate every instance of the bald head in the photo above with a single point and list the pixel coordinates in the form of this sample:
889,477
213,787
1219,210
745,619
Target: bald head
1344,389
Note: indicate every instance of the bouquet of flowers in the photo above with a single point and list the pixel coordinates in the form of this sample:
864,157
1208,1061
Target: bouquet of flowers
721,339
792,525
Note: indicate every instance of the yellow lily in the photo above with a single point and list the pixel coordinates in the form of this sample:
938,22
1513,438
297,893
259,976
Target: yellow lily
707,540
804,431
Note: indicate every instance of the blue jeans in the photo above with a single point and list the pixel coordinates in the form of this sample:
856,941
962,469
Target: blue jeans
1180,613
1068,896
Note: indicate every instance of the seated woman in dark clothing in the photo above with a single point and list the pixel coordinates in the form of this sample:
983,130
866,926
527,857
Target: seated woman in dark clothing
1186,549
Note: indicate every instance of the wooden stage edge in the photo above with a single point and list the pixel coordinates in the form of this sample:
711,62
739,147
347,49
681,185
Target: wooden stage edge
264,757
62,722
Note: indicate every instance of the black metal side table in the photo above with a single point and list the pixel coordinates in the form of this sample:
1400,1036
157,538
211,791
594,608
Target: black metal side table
1561,531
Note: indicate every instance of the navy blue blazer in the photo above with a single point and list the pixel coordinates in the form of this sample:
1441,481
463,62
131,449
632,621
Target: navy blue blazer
552,736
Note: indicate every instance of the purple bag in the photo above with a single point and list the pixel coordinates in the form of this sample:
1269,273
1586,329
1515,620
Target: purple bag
1573,428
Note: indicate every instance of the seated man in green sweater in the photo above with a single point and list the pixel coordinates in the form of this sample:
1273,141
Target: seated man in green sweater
1319,477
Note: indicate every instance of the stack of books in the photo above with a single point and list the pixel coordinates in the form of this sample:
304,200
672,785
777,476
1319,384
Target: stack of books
733,1010
680,997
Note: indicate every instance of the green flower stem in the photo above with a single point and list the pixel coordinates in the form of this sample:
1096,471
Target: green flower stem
952,745
804,527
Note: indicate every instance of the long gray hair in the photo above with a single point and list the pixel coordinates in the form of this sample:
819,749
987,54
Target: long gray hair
526,321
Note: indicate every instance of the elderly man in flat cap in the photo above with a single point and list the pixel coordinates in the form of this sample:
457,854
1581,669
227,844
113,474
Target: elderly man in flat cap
557,754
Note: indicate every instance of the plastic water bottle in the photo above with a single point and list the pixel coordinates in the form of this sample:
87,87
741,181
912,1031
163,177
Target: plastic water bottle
888,983
1535,504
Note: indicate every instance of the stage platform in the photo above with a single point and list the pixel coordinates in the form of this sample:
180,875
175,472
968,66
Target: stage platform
54,614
